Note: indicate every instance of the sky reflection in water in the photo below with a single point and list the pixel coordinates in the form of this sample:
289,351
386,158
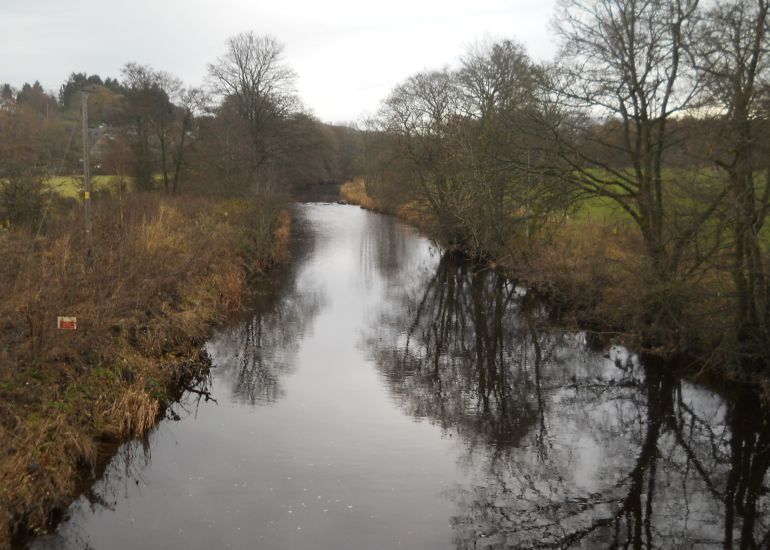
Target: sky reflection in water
386,395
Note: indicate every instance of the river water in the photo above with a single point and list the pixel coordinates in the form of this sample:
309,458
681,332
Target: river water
386,395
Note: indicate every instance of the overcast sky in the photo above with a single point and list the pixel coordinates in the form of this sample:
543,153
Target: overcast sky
348,53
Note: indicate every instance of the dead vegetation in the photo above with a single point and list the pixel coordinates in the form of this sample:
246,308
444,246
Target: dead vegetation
160,272
354,192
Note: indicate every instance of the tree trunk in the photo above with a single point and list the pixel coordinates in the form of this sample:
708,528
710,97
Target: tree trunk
180,152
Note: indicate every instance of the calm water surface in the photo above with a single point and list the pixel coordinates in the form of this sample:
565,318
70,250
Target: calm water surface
385,395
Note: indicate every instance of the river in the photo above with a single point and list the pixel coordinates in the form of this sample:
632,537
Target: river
386,395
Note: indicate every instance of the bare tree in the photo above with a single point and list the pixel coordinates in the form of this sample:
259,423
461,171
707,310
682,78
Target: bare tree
150,92
192,101
502,97
498,76
421,115
252,72
624,61
466,143
732,57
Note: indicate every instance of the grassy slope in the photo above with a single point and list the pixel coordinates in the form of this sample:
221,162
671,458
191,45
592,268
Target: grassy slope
145,300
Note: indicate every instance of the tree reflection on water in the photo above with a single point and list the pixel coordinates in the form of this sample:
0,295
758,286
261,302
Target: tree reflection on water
567,447
257,354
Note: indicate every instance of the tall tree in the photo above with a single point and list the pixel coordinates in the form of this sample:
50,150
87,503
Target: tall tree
253,75
149,92
623,61
36,98
466,143
732,56
501,91
7,92
191,102
69,96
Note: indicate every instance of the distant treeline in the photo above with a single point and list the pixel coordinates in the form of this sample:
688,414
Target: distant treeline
245,128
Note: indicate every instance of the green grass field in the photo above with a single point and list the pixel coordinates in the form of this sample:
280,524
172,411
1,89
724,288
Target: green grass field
601,209
685,191
72,186
684,186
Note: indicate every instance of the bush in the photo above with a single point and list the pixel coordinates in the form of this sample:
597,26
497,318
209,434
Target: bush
21,200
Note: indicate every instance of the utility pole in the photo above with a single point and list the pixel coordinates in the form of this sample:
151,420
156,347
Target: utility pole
86,173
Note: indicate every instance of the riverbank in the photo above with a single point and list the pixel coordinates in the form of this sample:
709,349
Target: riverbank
592,270
384,392
160,273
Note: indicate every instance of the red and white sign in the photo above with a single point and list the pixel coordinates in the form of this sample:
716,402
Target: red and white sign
67,323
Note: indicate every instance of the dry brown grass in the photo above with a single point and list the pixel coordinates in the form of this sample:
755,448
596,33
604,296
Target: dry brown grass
598,272
134,413
145,298
354,192
583,266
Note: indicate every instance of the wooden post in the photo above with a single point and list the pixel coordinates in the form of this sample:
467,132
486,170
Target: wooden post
86,173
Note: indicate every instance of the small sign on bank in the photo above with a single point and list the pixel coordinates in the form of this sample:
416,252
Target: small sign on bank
67,323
